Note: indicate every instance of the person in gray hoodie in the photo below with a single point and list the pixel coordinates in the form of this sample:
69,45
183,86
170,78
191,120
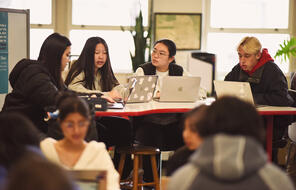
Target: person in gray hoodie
231,155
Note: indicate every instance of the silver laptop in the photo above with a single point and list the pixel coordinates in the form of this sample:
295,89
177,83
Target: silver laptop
179,89
90,179
240,90
140,89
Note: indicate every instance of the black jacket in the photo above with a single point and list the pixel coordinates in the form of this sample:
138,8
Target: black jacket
174,69
268,84
33,92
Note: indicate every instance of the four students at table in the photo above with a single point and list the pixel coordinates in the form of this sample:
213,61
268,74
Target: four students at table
37,86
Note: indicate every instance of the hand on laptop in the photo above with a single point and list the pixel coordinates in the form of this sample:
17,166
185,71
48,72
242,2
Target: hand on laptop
114,94
157,94
108,98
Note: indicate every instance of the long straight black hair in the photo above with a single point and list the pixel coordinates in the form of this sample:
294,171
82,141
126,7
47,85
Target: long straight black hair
50,55
85,63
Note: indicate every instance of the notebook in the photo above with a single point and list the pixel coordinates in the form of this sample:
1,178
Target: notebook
140,89
179,89
90,179
240,90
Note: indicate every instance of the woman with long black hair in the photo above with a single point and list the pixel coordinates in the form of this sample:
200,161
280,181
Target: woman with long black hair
37,84
92,72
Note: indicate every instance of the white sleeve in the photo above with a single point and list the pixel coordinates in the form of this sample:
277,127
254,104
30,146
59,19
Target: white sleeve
112,174
48,149
139,72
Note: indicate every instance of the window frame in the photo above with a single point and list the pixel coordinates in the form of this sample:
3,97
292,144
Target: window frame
104,27
53,19
209,29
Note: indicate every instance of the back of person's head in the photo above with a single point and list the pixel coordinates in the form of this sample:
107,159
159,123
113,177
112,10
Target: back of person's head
169,44
250,45
85,63
69,103
51,53
17,133
35,172
232,116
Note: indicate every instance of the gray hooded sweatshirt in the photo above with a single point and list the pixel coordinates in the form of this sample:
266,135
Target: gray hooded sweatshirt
225,162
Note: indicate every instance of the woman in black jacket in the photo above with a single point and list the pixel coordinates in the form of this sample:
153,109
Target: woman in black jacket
37,84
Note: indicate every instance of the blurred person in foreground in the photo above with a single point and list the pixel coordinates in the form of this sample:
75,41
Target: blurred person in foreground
231,155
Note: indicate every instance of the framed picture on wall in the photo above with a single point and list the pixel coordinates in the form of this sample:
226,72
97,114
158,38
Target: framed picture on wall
183,28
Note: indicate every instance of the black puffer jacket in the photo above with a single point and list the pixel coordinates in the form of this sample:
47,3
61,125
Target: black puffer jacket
34,91
268,83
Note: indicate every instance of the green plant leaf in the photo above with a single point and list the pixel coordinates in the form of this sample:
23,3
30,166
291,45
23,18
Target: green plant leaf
287,49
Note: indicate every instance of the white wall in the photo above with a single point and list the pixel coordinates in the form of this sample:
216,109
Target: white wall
17,43
178,6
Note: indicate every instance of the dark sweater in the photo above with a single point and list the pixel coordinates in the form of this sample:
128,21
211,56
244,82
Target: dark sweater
174,69
268,84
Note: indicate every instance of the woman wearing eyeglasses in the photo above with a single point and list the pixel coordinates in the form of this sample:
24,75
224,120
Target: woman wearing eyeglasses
72,151
163,62
160,130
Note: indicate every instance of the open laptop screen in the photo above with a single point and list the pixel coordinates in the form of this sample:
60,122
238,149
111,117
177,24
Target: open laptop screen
89,179
240,90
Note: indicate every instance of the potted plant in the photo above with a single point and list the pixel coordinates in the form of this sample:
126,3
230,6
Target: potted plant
142,41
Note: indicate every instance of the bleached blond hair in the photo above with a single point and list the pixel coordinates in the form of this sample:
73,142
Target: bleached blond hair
250,45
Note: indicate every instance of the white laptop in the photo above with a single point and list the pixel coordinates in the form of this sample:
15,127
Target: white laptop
140,89
179,89
240,90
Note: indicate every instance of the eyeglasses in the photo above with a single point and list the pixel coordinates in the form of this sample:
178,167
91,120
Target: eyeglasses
70,124
159,53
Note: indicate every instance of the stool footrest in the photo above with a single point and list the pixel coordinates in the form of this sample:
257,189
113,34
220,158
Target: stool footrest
147,184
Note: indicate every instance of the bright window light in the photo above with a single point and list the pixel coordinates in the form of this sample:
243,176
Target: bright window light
249,13
224,45
108,12
119,43
37,36
40,10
